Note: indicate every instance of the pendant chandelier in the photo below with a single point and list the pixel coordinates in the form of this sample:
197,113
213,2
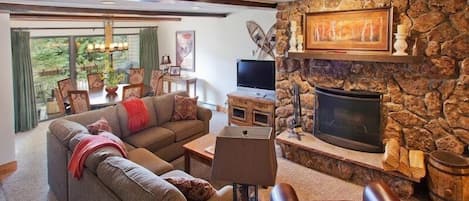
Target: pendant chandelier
108,46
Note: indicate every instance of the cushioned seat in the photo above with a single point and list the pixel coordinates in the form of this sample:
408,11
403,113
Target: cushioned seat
149,161
184,129
152,138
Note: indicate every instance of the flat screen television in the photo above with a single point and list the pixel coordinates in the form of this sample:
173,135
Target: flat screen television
257,74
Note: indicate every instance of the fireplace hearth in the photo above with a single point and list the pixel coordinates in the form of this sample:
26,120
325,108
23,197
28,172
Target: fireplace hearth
350,119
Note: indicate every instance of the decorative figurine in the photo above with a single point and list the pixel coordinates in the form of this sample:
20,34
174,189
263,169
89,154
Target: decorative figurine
300,43
292,37
400,45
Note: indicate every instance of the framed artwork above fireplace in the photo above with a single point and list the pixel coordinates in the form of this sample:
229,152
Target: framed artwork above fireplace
357,30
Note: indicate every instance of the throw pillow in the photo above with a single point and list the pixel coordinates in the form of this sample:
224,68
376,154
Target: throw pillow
185,108
113,138
194,189
99,126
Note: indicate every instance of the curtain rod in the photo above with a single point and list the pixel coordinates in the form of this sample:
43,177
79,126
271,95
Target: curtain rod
58,28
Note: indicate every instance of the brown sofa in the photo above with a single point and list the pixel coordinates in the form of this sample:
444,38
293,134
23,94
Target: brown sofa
107,175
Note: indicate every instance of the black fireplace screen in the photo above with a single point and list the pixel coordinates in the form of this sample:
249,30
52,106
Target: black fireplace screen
349,119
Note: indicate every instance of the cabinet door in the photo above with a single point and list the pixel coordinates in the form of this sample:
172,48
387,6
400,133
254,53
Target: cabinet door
261,118
238,113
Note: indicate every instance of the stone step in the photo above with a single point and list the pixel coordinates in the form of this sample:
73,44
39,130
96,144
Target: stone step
354,166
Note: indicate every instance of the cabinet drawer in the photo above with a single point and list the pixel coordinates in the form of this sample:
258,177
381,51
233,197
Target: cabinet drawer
239,102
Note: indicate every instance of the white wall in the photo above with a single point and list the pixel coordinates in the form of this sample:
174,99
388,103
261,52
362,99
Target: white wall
219,42
7,137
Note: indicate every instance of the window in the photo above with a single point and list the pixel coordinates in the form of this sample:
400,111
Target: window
52,61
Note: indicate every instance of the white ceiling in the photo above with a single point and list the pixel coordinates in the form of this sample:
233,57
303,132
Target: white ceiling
145,5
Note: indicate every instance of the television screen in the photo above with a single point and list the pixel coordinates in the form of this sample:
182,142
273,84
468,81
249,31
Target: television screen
256,74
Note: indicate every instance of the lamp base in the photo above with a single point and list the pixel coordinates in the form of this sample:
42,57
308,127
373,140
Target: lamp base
246,192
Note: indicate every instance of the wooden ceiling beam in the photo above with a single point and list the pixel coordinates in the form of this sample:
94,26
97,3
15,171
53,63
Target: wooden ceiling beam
239,3
21,8
64,17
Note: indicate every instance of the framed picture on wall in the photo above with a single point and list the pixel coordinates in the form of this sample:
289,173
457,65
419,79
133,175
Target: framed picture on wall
361,30
185,50
175,70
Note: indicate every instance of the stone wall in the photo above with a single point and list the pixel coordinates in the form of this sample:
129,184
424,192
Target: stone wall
425,106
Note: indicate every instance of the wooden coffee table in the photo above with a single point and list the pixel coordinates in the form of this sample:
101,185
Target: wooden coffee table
196,149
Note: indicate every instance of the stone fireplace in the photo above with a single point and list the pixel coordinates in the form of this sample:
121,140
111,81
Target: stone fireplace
350,119
425,106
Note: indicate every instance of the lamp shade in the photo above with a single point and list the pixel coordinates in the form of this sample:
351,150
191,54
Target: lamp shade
165,60
245,155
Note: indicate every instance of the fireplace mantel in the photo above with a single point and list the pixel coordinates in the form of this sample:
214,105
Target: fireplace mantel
383,58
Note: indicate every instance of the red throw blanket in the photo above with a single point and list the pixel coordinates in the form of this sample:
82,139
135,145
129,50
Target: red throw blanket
137,114
84,148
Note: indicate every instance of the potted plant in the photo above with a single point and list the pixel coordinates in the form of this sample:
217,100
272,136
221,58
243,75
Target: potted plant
111,79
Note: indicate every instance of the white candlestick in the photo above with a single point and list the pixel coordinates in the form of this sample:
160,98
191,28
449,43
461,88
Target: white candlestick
400,45
292,37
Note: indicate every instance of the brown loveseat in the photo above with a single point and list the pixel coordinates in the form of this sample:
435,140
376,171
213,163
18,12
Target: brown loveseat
107,175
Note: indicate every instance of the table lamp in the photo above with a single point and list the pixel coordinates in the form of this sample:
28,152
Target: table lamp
165,60
245,156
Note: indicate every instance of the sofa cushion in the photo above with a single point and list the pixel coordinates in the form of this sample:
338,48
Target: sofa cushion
149,161
164,106
113,138
128,147
93,160
123,118
184,129
76,139
152,138
109,113
131,182
185,108
65,130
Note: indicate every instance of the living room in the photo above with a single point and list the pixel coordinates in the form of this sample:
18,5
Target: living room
421,98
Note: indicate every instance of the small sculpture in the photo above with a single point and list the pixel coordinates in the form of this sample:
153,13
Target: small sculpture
292,37
300,43
400,45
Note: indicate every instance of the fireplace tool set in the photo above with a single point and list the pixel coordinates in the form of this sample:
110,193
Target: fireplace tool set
295,125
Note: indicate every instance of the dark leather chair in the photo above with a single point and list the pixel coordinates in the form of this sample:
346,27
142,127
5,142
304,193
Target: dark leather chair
283,192
374,191
378,191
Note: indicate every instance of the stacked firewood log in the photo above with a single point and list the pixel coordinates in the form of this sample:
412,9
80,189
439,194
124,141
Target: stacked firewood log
408,162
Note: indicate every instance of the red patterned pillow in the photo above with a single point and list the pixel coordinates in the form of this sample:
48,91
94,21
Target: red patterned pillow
194,189
185,108
99,126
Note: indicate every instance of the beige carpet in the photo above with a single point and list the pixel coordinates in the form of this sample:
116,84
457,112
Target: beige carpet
29,182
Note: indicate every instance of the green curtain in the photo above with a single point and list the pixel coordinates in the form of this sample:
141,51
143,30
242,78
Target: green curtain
23,86
149,52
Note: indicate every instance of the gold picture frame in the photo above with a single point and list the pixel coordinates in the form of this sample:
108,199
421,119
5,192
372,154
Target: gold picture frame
355,30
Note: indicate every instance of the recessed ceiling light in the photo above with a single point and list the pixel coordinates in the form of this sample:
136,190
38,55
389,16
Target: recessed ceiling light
195,7
108,2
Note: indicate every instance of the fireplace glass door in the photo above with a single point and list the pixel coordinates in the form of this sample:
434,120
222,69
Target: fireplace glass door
349,119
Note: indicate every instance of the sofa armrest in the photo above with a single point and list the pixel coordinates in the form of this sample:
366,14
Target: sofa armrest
204,114
224,194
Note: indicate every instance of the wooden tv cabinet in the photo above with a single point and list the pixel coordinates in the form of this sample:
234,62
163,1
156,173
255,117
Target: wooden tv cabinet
245,109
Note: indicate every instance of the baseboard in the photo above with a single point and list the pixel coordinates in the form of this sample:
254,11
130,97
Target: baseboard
7,169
